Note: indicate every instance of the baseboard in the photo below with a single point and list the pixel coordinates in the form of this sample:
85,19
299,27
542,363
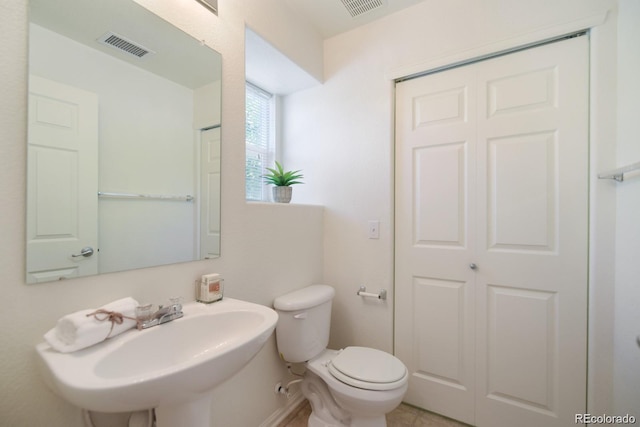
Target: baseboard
281,414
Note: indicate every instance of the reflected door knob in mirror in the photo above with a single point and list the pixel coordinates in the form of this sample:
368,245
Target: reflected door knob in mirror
86,252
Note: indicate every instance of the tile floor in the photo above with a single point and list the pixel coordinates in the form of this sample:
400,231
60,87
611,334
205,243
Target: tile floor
403,416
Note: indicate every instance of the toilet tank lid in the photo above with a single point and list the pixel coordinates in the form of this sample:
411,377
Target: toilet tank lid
304,298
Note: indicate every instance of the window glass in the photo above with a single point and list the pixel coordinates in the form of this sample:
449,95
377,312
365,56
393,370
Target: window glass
259,140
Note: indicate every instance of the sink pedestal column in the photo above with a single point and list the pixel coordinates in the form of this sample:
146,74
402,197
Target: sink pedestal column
193,414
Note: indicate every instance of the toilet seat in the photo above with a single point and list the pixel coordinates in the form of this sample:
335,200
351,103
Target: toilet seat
368,369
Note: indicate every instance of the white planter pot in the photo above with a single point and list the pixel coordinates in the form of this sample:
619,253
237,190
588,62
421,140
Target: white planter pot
282,194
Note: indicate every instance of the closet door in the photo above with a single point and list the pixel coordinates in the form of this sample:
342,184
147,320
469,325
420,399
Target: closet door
435,240
495,334
532,193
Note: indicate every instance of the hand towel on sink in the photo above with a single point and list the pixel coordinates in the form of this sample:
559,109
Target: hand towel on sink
85,328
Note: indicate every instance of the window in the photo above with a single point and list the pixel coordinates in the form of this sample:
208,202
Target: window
260,140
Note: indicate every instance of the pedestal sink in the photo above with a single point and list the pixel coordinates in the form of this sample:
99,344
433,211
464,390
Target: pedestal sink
172,367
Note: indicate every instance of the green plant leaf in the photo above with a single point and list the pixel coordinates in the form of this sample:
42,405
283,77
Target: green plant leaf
278,177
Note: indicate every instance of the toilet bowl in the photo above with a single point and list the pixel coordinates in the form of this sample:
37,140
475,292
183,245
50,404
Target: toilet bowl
355,386
362,403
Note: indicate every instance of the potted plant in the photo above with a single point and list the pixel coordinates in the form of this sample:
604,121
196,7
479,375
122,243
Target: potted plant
282,181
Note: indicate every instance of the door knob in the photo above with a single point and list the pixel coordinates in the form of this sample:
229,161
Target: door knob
87,251
473,266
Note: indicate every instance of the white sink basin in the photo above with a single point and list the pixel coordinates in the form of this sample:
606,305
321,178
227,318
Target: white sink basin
174,365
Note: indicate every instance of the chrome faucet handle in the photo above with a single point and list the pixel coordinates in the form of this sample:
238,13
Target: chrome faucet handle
164,314
175,305
144,312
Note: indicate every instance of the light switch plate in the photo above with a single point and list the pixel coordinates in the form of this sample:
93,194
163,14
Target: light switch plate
374,229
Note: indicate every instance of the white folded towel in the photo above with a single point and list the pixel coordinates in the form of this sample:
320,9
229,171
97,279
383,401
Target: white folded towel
85,328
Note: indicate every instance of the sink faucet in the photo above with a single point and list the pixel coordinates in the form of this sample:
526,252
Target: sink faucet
162,315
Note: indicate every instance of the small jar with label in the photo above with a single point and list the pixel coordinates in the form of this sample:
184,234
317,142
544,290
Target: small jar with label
209,288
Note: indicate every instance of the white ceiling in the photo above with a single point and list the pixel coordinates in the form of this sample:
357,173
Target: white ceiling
178,56
331,17
86,20
271,70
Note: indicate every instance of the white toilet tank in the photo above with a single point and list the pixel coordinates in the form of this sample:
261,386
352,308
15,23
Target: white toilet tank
304,321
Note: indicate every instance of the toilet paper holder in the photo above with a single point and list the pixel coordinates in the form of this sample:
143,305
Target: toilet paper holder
362,291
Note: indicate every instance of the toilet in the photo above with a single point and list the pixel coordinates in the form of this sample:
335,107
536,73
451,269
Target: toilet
355,386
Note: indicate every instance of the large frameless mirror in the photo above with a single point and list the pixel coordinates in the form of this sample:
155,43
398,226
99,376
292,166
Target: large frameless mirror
123,141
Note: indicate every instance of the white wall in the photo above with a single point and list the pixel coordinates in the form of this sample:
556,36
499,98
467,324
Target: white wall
341,134
207,113
627,289
256,238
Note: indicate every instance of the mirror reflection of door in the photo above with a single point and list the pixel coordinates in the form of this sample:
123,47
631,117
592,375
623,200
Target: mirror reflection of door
210,193
62,182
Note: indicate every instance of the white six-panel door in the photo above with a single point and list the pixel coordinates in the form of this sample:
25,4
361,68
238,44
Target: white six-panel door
62,181
491,237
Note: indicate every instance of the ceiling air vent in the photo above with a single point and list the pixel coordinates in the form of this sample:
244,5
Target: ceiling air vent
124,45
358,7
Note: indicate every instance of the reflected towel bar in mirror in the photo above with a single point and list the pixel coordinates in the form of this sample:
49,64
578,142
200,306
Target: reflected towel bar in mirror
186,198
618,174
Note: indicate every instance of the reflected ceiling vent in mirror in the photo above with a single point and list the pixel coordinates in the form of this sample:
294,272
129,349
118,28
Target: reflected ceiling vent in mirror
359,7
123,44
212,5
